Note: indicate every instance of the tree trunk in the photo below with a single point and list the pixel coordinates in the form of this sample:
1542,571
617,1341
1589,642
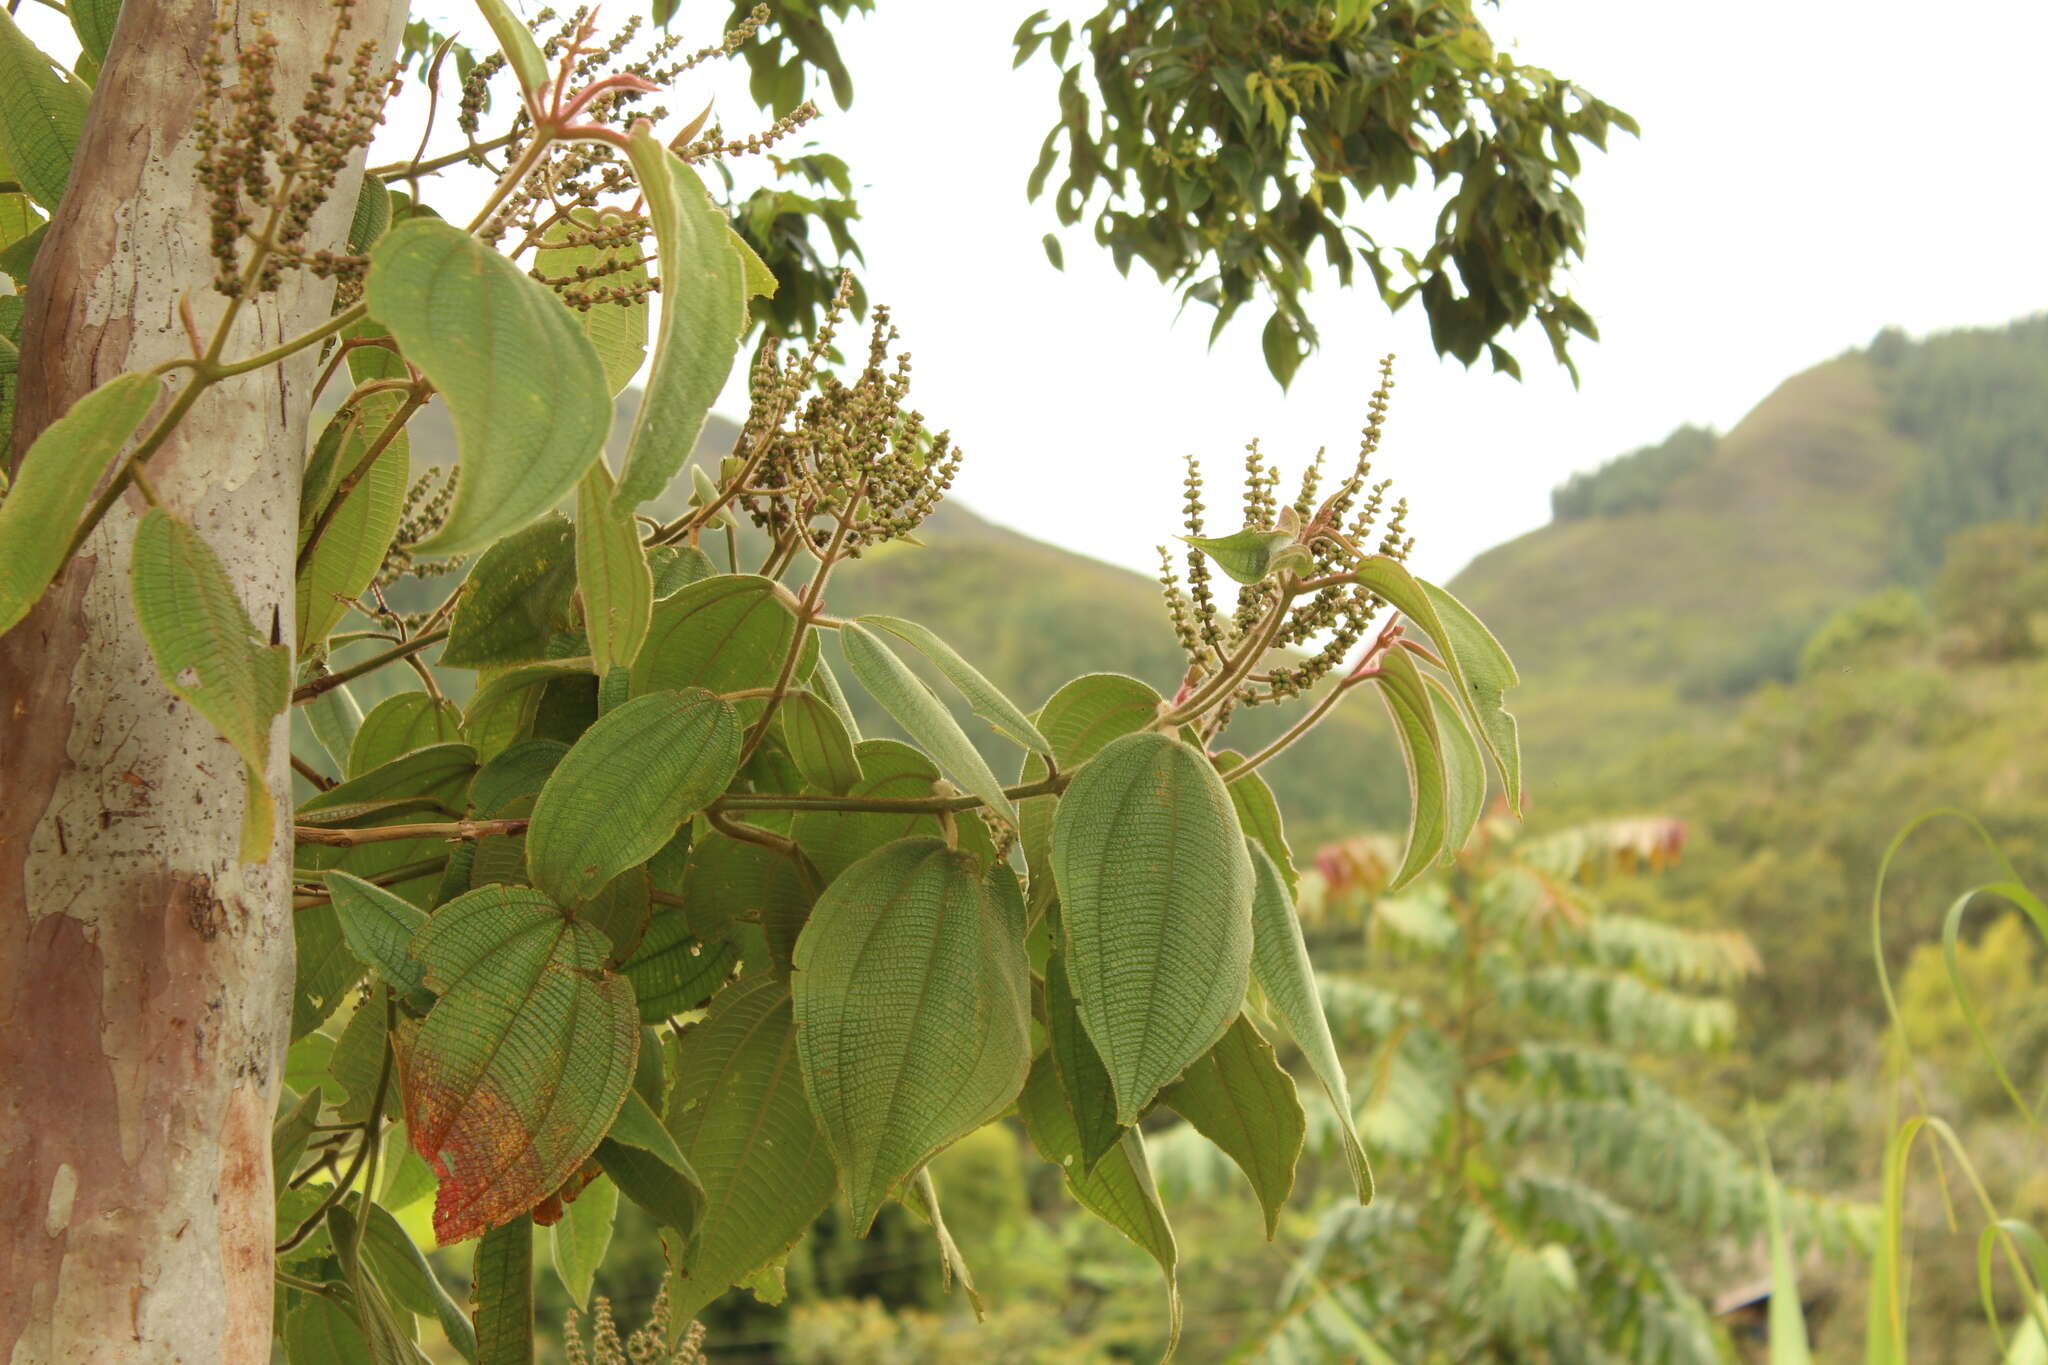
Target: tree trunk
145,974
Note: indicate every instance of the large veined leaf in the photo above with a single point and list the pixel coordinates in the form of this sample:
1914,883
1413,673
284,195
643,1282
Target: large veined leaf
323,969
1083,1081
981,694
1464,772
405,1275
525,1059
676,567
400,724
1479,667
729,881
739,1114
434,778
42,115
385,1341
1117,1189
1247,555
611,573
579,1239
617,330
1408,703
1258,813
642,1157
56,482
1078,720
378,928
923,715
524,385
516,599
818,743
1280,963
1156,901
501,1294
724,634
352,544
505,706
703,315
208,653
910,997
1239,1097
835,840
674,969
621,792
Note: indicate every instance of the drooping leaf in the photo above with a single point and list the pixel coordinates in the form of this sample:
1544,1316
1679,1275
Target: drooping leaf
923,1200
432,778
400,724
1247,555
818,743
578,1241
1083,1081
522,54
1464,772
981,694
358,1062
1078,720
910,998
403,1272
525,1059
1258,814
826,684
55,484
354,539
501,1294
642,1157
617,327
626,785
208,653
516,599
612,574
524,385
93,21
913,706
1480,669
703,316
1155,898
1118,1189
1239,1097
372,215
323,969
42,115
835,840
289,1136
386,1342
1281,965
739,1114
726,633
1408,703
378,928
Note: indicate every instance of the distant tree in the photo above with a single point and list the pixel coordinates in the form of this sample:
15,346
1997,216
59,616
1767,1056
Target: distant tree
1226,145
1635,482
1993,588
1866,632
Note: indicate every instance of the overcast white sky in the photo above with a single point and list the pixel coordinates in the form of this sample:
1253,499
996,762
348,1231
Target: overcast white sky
1809,171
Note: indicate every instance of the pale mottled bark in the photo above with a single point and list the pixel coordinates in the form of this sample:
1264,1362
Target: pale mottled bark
144,973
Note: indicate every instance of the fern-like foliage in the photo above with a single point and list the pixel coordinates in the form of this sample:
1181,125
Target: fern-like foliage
1546,1194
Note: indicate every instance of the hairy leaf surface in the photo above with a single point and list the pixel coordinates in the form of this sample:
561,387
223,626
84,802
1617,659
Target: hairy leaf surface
913,706
1238,1096
981,694
1077,720
42,115
400,724
1408,703
612,573
516,598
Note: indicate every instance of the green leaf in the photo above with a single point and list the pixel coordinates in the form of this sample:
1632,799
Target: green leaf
1258,814
404,1274
353,544
727,633
525,1059
1083,1081
818,743
320,1331
1480,669
1408,703
826,685
289,1136
626,786
372,215
1464,771
434,777
42,116
1118,1189
399,725
739,1114
55,484
516,42
385,1341
1239,1097
516,599
923,1200
1078,720
676,567
501,1294
913,706
612,573
617,331
651,1170
525,388
1788,1340
675,970
505,706
835,840
209,654
1280,342
1247,555
981,694
910,996
580,1238
1155,897
323,969
93,21
1281,965
703,316
359,1059
378,928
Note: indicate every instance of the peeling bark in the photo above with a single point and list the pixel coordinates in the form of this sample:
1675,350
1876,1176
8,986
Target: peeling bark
145,974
